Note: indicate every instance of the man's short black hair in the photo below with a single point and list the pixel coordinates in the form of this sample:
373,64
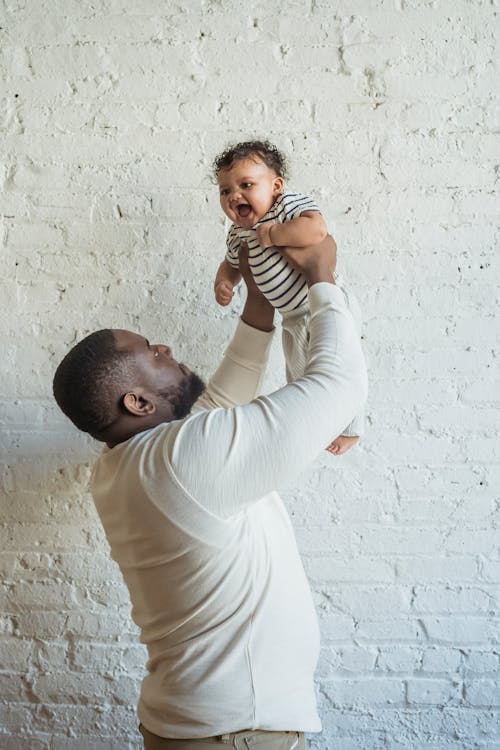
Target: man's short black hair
87,381
265,150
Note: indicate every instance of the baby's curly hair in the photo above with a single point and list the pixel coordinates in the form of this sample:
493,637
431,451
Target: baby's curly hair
265,150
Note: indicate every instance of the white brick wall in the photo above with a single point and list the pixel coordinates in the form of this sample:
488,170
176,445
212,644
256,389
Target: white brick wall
110,113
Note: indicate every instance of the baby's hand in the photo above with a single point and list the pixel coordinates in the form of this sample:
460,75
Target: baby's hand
264,234
224,292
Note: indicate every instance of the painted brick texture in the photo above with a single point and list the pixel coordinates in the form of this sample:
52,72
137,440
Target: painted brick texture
110,115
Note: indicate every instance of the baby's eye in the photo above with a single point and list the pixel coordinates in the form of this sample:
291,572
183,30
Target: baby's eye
246,185
224,191
157,353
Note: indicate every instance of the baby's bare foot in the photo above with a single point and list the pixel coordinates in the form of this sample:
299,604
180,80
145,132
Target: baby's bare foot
342,444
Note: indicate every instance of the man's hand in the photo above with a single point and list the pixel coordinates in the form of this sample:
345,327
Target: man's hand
316,263
258,312
264,234
246,272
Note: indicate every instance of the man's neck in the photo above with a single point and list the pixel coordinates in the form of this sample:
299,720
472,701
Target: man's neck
120,432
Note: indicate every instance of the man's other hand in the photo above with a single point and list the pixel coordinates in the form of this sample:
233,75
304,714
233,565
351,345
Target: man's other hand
316,262
258,312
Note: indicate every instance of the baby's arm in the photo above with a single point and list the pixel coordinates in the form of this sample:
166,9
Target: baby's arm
226,279
307,229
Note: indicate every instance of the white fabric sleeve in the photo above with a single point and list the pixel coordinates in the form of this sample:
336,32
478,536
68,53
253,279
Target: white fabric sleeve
227,458
238,379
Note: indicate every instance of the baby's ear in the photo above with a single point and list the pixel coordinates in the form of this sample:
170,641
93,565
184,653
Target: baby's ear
278,185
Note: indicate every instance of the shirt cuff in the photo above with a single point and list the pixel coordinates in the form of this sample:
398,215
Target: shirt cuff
323,294
249,345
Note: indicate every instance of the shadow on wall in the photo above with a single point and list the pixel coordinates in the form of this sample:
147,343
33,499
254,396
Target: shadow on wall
59,580
43,480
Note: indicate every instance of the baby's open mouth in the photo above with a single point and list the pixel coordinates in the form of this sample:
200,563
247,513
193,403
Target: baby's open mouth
243,210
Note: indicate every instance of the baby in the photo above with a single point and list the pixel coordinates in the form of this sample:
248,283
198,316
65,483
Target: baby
251,178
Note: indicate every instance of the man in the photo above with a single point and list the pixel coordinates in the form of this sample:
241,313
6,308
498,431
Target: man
188,500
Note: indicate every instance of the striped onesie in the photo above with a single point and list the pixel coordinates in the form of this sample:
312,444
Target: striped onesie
284,287
279,282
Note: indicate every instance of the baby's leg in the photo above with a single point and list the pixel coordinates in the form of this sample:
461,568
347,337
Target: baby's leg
295,340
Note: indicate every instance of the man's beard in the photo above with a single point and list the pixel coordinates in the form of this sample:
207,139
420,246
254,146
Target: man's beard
184,396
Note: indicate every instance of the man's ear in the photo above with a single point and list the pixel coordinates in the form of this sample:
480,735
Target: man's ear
278,183
137,403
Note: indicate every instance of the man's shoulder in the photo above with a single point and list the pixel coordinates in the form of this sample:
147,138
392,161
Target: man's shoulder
144,452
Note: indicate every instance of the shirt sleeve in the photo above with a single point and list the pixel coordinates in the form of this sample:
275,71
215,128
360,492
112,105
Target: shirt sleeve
292,205
233,247
227,458
238,379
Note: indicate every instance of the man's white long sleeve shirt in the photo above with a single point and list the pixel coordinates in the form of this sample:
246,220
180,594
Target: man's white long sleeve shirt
193,517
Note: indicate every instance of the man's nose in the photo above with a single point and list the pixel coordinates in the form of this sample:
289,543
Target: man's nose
165,349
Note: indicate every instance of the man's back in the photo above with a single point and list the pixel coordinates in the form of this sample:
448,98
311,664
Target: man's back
223,603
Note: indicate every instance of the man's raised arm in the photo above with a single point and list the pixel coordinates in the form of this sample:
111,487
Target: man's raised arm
241,454
238,379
